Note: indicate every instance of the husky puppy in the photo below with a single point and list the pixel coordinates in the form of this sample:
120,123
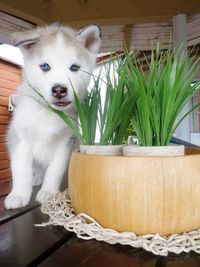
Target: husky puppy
56,60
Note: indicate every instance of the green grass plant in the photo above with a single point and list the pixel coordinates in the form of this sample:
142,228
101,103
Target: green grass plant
160,93
116,109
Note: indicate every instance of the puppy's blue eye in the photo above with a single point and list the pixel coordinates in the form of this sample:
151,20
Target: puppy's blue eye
75,67
45,67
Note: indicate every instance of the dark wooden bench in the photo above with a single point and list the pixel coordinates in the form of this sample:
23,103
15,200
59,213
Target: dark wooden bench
23,244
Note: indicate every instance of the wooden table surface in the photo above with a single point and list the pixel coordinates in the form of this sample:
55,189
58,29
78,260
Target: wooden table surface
23,244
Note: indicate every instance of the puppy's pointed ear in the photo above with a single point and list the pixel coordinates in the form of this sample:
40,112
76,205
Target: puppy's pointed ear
25,40
90,37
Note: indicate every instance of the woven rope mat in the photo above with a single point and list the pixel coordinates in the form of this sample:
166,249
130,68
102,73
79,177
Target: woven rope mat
61,213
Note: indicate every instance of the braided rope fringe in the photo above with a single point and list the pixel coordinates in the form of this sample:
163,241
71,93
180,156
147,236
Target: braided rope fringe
61,213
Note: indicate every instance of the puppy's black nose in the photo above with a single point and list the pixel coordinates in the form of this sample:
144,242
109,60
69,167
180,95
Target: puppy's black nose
59,91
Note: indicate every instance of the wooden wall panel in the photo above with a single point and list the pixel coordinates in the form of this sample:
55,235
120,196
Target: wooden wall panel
142,36
4,119
3,155
136,36
10,24
3,129
6,84
10,77
3,147
4,164
4,111
8,67
193,30
2,138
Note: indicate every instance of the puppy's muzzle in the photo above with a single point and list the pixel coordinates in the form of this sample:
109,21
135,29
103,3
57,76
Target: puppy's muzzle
59,91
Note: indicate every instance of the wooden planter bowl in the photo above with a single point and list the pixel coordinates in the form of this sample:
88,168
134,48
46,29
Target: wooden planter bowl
142,195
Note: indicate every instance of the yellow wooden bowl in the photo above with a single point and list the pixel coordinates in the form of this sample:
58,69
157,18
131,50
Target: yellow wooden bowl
141,195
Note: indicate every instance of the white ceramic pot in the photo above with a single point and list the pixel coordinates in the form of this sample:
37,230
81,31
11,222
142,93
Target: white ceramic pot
109,150
149,151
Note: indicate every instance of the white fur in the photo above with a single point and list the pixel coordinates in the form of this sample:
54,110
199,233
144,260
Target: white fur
40,143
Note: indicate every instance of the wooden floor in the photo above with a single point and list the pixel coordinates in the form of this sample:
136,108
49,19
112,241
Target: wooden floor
23,244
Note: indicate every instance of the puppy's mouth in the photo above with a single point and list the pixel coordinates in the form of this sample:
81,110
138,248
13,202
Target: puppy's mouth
61,103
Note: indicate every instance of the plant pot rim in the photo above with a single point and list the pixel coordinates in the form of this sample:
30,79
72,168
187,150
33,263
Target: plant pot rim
103,150
98,145
146,151
195,153
170,145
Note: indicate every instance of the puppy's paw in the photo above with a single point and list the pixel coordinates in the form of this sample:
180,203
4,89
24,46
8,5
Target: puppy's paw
14,200
43,195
